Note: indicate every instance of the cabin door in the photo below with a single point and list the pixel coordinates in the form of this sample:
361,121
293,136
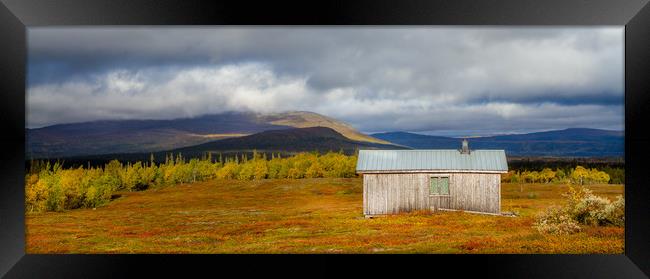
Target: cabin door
434,203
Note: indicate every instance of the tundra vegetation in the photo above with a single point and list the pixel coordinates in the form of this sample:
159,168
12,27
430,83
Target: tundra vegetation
310,215
308,203
581,207
49,187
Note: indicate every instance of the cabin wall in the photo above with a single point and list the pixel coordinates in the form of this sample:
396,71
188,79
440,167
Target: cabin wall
474,192
390,193
393,193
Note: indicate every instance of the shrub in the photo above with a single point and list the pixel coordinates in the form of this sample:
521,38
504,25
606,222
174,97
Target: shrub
588,209
582,207
246,171
36,194
148,176
131,179
50,181
295,173
283,172
72,186
207,169
274,166
314,171
261,170
114,169
228,171
556,220
100,191
613,213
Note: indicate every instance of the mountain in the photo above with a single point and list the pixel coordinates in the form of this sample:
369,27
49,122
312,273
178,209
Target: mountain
573,142
285,142
321,139
305,119
133,136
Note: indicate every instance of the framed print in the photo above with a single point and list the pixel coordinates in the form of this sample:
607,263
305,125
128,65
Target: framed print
506,136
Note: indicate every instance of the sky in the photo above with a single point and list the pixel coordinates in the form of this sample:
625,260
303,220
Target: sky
431,80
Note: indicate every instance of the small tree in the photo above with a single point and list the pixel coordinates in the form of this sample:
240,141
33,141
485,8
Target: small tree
547,175
579,175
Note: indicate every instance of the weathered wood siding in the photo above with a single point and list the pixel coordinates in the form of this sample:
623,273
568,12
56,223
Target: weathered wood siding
393,193
389,193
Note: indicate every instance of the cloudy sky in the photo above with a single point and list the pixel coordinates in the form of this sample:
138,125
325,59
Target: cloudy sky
433,80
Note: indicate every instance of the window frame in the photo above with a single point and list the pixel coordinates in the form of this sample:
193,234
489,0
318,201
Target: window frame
431,177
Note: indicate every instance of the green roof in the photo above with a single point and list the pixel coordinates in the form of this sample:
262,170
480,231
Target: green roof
431,160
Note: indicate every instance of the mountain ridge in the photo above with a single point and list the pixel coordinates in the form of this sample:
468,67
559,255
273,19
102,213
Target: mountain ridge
577,142
149,135
308,139
282,141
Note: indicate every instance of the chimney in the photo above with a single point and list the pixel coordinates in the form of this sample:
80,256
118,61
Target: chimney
465,147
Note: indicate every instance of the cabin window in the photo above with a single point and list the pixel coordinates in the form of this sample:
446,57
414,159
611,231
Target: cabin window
439,186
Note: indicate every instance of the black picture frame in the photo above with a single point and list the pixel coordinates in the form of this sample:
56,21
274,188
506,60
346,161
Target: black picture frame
17,15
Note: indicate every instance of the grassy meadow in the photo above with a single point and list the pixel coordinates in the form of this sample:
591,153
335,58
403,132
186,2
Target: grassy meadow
319,215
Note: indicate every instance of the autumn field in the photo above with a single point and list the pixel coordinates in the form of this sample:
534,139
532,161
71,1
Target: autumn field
319,215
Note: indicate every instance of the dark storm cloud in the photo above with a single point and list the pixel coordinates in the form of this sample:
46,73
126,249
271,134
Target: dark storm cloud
378,79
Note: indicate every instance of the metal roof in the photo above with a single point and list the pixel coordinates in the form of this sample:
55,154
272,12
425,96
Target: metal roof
431,160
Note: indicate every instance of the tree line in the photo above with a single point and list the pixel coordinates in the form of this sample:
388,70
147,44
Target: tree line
50,187
614,167
578,175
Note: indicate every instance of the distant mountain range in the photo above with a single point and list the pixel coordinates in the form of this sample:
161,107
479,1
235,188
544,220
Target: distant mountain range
134,136
288,132
574,142
320,139
285,142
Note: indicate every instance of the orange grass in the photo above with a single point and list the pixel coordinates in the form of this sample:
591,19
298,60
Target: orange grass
321,215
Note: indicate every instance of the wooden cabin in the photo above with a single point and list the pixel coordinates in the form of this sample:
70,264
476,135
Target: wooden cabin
406,180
